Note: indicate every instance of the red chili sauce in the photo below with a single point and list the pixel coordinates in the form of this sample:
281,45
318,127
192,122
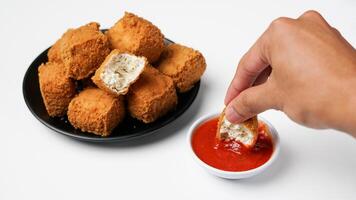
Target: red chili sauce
231,155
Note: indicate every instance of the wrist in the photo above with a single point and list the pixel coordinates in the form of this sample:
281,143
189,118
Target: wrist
343,116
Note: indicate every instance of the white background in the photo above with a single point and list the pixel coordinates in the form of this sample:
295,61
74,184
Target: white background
37,163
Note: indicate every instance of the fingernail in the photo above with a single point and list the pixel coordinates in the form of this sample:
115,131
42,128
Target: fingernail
232,115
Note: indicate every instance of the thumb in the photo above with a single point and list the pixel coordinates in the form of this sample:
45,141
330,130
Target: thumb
251,102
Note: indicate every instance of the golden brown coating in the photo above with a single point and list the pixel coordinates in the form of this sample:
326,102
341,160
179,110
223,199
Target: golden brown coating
83,50
124,70
184,65
96,111
151,96
245,132
136,35
54,53
56,88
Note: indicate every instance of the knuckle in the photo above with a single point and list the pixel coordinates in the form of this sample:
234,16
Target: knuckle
247,72
312,14
280,22
244,100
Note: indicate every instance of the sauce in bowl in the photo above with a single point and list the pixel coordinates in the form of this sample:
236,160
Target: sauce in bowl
231,155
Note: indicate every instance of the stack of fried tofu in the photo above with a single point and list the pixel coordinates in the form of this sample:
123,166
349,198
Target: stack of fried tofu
126,70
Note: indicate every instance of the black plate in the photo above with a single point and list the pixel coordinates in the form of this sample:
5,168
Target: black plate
129,129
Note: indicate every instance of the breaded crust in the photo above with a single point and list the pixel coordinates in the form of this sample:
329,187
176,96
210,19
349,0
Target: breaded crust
183,64
251,124
56,88
138,36
83,50
96,111
151,96
54,53
100,83
221,136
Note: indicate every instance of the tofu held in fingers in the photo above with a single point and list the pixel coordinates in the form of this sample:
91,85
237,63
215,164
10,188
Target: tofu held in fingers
57,89
183,64
118,72
245,132
96,111
151,96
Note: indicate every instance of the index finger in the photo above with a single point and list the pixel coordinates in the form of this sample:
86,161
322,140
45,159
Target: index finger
248,69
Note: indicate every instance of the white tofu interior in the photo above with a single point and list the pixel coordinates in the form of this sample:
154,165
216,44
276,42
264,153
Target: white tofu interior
237,132
121,71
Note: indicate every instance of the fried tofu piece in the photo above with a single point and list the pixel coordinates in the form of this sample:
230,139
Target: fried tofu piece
245,132
96,111
56,88
118,72
138,36
151,96
184,65
83,50
54,53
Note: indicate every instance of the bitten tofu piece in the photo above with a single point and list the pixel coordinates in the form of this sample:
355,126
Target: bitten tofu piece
118,72
56,88
138,36
96,111
151,96
83,50
245,132
184,65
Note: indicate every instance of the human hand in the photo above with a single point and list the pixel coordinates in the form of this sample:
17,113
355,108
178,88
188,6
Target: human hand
303,67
